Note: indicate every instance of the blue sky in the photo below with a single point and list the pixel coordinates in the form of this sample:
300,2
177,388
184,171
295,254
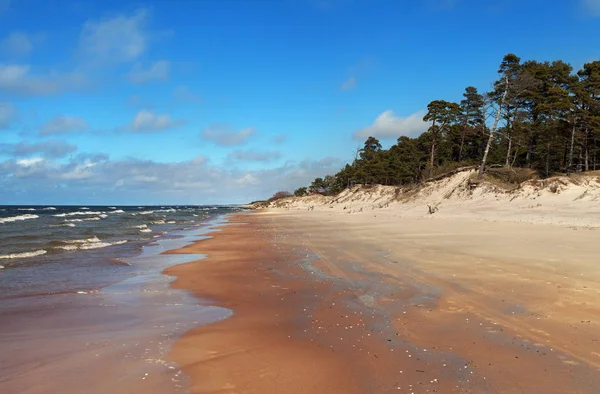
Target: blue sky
198,102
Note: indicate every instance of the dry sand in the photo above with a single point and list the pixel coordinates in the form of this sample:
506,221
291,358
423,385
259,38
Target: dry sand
376,303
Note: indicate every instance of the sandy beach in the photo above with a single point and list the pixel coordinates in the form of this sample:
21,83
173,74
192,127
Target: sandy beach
373,303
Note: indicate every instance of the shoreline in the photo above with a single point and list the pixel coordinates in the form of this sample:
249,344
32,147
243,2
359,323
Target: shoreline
324,302
249,350
124,329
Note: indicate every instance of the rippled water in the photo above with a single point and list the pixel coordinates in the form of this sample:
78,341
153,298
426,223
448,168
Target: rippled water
45,249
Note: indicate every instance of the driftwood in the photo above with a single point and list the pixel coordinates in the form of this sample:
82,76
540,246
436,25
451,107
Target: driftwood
432,210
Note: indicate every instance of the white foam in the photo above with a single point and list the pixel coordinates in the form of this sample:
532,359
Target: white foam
89,243
62,215
113,207
141,226
25,209
65,225
118,211
159,222
145,230
23,255
146,212
49,209
82,241
84,208
16,218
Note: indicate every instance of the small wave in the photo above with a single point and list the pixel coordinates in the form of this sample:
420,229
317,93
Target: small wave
118,211
25,209
145,230
171,222
146,212
102,216
84,208
1,267
158,222
74,220
49,209
82,241
62,215
23,255
140,226
15,218
89,243
113,207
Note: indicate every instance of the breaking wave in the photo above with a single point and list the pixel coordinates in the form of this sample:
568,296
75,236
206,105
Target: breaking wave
16,218
62,215
88,243
23,255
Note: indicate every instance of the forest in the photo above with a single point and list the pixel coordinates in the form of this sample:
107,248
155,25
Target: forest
539,115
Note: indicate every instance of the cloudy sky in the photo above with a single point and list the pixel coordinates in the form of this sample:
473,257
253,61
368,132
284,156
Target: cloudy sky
223,101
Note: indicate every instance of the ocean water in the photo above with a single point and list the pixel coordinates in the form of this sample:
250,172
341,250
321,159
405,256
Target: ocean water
82,290
57,249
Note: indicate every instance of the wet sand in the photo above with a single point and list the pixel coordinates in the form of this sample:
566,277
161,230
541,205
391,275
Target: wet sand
109,340
366,304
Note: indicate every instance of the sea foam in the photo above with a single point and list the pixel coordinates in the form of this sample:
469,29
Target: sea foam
22,255
16,218
62,215
88,243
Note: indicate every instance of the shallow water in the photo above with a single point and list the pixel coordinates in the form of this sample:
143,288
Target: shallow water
113,339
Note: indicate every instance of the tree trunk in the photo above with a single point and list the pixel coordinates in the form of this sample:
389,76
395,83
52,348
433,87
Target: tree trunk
493,130
432,158
571,148
462,143
595,153
548,159
515,156
507,164
587,151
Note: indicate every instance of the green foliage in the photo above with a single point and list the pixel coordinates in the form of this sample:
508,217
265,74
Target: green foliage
279,195
549,123
300,192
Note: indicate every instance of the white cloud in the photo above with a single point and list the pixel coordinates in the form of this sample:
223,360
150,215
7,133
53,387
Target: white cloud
349,84
119,39
279,138
592,6
225,136
64,124
157,71
30,162
16,44
148,121
387,125
49,149
17,79
183,94
95,178
7,114
248,155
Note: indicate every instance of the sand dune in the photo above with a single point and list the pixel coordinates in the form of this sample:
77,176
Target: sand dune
568,201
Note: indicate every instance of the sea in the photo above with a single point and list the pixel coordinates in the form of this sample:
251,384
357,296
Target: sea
54,249
82,290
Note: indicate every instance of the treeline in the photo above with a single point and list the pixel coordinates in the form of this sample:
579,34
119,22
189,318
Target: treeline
539,115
